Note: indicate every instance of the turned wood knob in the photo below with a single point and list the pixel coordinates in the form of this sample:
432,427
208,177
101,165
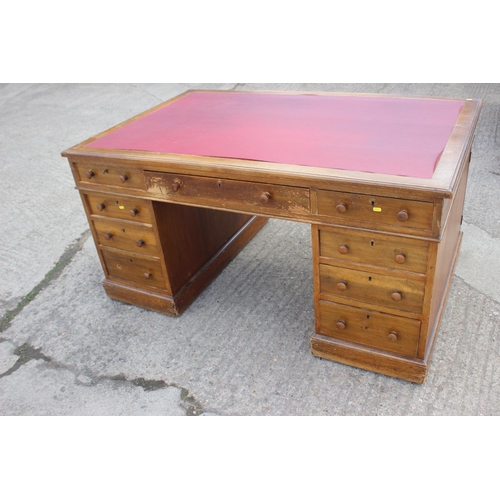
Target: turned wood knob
400,258
139,243
123,178
134,212
341,207
343,249
265,197
175,186
90,174
108,236
393,336
342,285
340,324
147,275
101,207
402,215
396,295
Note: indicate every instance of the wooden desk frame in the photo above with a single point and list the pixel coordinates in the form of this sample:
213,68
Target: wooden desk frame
166,225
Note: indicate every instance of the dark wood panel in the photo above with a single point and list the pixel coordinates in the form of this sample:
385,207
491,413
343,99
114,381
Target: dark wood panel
191,236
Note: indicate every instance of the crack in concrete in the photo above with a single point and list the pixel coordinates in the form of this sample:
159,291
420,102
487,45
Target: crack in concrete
53,274
27,353
381,88
236,86
146,91
188,402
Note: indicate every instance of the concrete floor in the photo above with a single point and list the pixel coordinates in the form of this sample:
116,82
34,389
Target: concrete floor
66,349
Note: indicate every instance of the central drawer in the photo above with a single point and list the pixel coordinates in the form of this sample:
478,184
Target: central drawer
369,328
374,289
229,194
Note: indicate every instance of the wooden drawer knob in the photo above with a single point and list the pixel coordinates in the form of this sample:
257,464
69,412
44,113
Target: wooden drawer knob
341,324
402,215
342,285
147,275
134,212
342,208
175,186
108,236
396,295
343,249
90,174
400,258
393,336
264,198
139,243
123,178
101,207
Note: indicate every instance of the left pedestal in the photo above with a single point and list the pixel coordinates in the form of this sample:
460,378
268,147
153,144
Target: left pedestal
161,256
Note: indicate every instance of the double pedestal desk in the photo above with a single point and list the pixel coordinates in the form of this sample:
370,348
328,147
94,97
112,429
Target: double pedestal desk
175,193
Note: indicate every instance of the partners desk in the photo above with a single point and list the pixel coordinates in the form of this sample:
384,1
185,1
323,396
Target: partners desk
175,193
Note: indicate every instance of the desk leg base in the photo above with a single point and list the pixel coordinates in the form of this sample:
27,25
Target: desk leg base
174,306
410,369
148,299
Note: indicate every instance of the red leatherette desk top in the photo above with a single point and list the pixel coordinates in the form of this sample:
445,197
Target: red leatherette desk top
398,136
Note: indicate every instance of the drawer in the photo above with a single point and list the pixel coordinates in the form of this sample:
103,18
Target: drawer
101,175
125,235
372,288
369,328
129,267
229,194
376,209
373,249
119,207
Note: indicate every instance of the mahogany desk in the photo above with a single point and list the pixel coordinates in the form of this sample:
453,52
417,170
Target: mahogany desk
175,193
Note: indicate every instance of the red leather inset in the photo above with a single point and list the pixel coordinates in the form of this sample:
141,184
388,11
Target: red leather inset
401,136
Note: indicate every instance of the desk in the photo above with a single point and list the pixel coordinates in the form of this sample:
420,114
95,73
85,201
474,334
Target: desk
175,193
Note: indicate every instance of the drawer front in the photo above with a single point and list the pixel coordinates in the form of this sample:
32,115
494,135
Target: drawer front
376,209
372,288
101,175
369,328
230,194
375,250
126,235
129,267
119,207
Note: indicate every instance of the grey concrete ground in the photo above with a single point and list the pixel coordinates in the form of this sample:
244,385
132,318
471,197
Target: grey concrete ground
240,349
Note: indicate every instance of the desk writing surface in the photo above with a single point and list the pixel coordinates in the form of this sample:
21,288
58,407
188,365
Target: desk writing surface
397,136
